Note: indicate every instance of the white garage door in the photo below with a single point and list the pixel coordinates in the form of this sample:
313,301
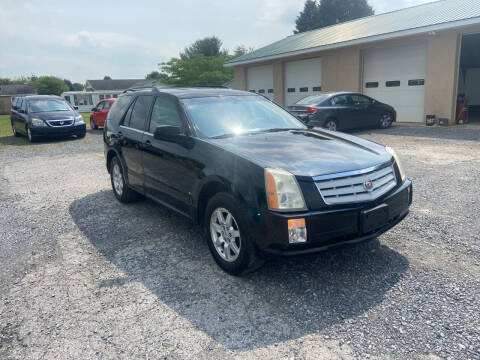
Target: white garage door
302,78
396,76
260,80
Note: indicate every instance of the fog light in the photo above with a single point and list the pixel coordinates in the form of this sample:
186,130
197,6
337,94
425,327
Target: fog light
297,231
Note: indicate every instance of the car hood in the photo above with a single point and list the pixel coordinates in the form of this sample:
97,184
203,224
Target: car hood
54,115
307,153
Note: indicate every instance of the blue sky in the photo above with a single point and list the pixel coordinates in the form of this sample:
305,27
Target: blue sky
127,39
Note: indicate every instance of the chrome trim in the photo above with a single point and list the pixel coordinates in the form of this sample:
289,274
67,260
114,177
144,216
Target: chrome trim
69,121
351,187
353,172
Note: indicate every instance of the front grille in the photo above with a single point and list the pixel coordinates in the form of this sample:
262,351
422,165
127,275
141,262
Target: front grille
56,123
354,187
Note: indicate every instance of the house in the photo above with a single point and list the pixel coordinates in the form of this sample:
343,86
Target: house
7,92
96,90
419,60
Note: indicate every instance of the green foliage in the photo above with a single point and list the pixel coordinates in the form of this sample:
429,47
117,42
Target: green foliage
5,81
324,13
69,84
241,50
106,77
197,70
50,85
77,87
209,46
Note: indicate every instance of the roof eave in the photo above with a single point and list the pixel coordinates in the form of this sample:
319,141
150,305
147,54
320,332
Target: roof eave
387,36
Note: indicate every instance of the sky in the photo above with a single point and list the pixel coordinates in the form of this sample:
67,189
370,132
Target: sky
80,40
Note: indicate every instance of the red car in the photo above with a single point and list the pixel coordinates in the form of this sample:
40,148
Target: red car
99,113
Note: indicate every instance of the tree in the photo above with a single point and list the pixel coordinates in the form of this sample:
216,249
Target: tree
5,81
69,84
50,85
241,50
106,77
196,71
317,15
77,87
309,18
209,46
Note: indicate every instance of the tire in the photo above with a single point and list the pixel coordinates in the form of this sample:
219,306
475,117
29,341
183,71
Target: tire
120,187
385,121
331,124
15,133
228,237
30,136
81,136
92,125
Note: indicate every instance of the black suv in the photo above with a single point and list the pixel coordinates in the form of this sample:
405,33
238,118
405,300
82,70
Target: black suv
258,180
45,116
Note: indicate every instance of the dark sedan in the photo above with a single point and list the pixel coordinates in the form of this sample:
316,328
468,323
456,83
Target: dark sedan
40,116
257,179
343,110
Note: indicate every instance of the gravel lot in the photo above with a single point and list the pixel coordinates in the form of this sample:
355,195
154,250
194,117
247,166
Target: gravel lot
84,276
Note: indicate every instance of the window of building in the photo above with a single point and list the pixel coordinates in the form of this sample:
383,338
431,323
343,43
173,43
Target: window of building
416,82
393,83
261,91
270,91
304,89
101,96
317,88
373,84
291,90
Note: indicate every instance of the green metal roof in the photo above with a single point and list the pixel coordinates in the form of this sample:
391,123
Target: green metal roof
433,16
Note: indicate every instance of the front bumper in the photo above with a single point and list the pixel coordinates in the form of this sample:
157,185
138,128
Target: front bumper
52,131
331,227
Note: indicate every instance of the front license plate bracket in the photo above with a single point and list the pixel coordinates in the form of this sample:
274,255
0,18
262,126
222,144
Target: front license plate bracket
376,218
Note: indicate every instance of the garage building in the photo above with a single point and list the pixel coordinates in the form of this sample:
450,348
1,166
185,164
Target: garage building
421,60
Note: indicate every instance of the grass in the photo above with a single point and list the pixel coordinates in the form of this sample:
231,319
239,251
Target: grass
6,134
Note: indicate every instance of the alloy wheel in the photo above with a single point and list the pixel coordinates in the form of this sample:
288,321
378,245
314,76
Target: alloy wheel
331,125
225,234
117,178
385,121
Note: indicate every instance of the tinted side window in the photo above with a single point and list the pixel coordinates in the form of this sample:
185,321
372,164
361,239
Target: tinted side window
340,100
140,112
118,109
358,99
165,112
23,105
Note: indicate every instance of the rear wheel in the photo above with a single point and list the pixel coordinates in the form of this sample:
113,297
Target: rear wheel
15,133
227,235
120,187
386,121
331,124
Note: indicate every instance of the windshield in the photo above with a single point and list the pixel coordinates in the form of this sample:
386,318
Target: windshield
312,100
48,105
235,115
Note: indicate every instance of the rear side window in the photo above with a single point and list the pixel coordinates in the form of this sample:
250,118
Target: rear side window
165,112
140,111
118,109
340,100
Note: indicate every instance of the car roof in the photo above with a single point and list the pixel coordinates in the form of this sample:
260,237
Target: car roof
43,97
190,92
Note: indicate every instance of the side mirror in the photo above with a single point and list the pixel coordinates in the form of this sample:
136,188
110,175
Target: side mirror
75,107
93,109
169,133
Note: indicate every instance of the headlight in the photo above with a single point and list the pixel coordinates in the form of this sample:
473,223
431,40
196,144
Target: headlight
283,192
397,160
78,120
38,122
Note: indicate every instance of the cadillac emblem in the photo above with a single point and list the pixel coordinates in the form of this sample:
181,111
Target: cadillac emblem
368,185
61,122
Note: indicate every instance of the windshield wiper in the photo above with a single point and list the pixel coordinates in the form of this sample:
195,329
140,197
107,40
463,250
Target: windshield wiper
276,130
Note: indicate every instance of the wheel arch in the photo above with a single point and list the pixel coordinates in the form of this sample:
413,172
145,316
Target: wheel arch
206,191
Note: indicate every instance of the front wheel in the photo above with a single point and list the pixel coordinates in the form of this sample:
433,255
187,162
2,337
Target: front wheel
92,124
120,187
331,124
30,136
227,235
386,121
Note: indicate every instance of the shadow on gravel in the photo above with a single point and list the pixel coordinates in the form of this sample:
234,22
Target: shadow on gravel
284,300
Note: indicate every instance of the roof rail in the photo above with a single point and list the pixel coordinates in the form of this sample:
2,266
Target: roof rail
137,88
